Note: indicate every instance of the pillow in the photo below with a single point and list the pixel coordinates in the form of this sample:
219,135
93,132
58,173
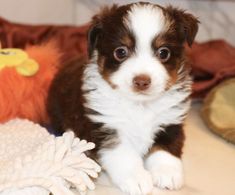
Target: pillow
218,110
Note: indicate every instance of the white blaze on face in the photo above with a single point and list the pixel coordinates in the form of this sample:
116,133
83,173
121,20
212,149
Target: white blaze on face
145,22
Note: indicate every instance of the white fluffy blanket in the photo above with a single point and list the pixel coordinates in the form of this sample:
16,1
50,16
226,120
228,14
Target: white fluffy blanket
33,162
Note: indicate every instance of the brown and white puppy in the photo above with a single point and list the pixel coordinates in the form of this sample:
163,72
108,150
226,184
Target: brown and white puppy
131,98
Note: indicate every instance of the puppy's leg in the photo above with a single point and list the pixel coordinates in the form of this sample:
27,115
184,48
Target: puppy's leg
164,161
125,167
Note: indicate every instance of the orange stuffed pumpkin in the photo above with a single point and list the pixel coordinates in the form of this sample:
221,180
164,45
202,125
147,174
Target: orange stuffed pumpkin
25,77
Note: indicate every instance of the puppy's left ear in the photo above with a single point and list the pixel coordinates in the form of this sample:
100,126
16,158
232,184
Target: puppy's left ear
190,27
188,24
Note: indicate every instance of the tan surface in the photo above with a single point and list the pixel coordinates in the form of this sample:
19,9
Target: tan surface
209,163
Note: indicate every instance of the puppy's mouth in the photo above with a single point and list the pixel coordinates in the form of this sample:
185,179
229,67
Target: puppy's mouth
144,96
143,93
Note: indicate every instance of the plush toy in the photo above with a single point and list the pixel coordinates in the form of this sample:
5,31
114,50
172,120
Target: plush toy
218,110
25,76
34,162
19,60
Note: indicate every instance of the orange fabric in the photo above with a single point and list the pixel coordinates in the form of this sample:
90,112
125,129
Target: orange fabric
24,97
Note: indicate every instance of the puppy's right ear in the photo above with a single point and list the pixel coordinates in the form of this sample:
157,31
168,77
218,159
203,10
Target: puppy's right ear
96,28
93,36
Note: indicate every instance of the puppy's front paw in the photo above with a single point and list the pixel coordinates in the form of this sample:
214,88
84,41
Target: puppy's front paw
138,182
168,177
166,170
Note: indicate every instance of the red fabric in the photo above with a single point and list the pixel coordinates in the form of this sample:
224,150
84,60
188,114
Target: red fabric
71,39
211,61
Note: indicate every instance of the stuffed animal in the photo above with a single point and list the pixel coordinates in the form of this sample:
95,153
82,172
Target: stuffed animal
34,162
25,76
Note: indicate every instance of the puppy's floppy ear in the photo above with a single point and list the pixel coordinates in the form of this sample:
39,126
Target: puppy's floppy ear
96,27
93,35
190,27
188,24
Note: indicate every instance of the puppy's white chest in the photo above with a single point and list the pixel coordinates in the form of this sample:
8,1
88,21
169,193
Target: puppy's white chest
137,126
135,123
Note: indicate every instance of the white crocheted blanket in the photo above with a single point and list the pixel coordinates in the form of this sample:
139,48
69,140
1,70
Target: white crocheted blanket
33,162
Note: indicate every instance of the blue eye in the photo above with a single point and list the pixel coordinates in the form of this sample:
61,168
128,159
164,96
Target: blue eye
164,54
121,53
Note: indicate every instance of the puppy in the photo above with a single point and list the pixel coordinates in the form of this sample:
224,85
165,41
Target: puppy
132,96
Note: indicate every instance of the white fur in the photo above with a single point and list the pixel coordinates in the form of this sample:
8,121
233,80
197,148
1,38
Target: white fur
166,170
125,166
146,22
136,118
136,124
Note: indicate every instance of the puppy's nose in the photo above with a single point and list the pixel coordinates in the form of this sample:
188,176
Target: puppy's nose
141,82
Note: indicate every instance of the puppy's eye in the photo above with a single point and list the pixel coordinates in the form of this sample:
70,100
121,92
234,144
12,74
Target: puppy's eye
121,53
163,53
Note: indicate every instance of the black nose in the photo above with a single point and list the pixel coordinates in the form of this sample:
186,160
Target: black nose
141,82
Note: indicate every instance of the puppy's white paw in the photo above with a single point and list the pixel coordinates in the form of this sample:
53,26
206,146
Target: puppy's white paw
136,183
168,177
166,170
126,170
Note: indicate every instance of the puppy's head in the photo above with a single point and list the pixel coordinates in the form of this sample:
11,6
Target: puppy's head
140,47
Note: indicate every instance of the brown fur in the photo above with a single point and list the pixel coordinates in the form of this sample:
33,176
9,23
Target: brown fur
112,34
66,106
171,139
181,27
